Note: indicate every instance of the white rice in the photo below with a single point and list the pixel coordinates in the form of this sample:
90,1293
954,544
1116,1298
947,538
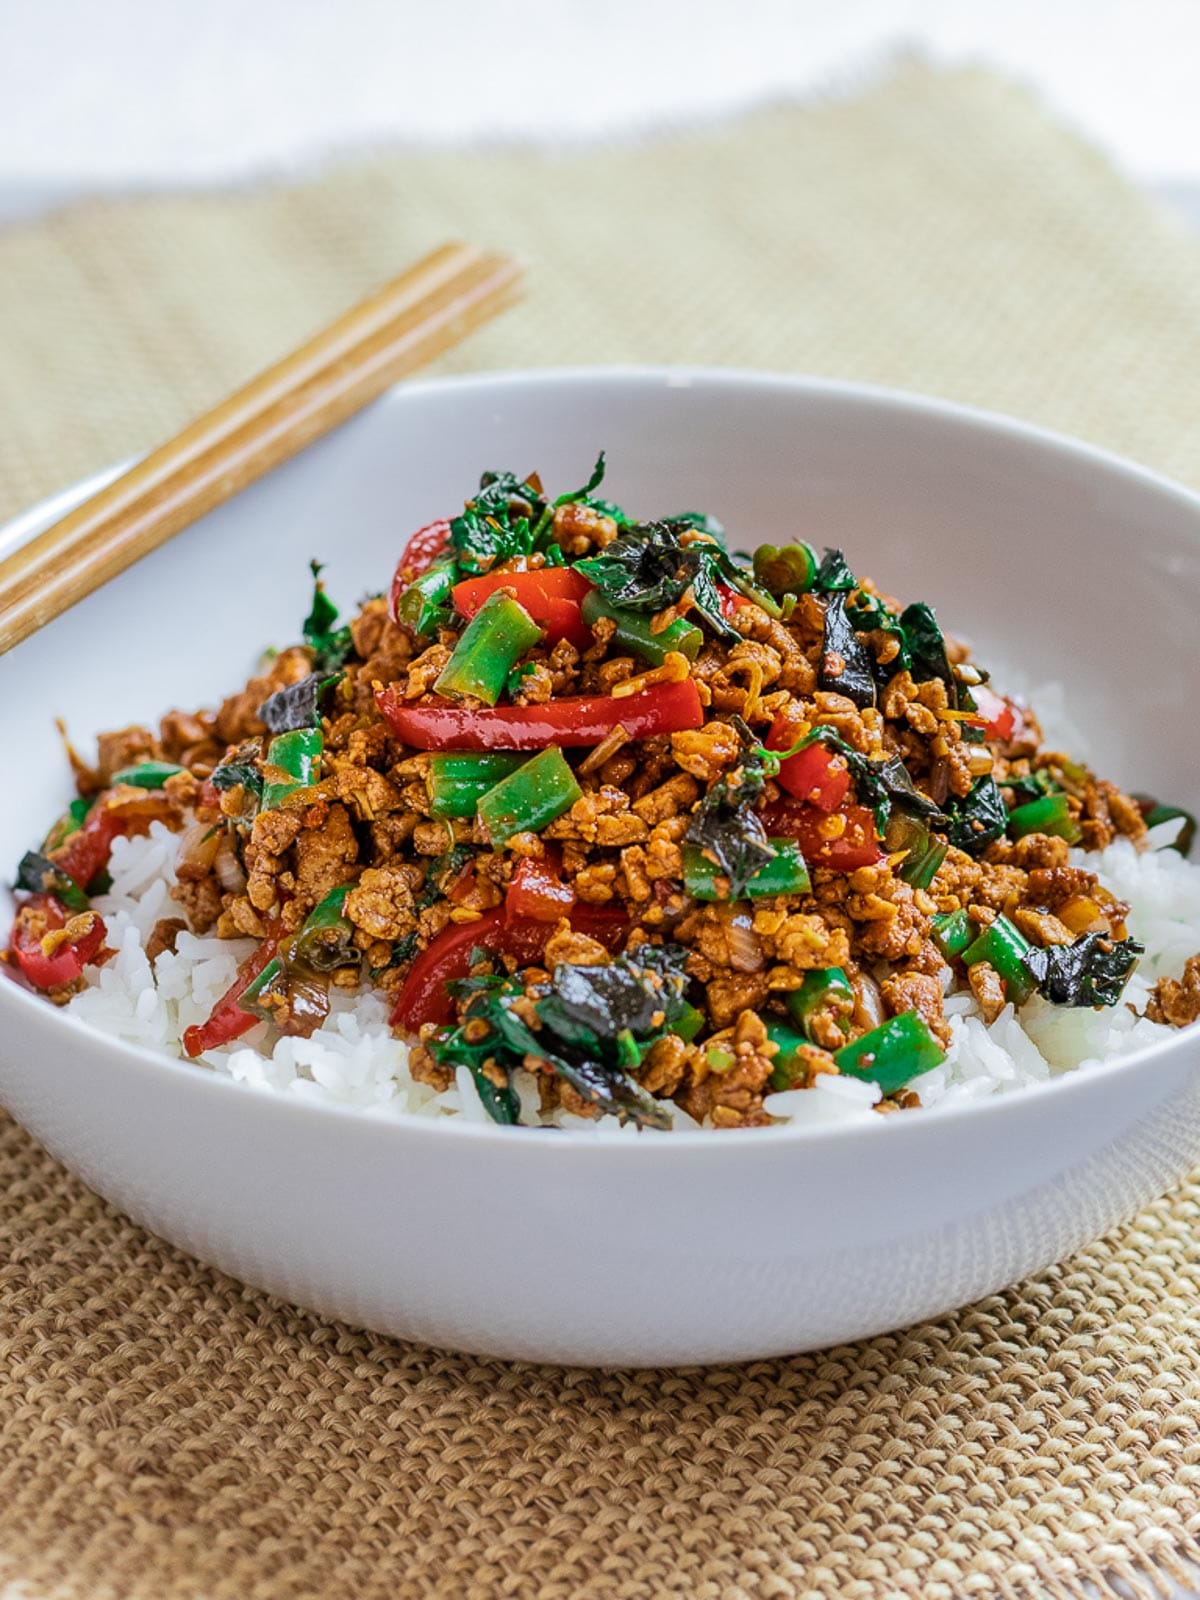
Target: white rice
353,1059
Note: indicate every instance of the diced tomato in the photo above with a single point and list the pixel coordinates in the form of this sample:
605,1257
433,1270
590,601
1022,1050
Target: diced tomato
42,915
423,549
551,595
228,1021
575,723
537,890
1000,716
816,774
842,840
425,994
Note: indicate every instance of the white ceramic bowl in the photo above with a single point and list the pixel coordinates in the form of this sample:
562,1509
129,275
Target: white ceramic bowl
679,1248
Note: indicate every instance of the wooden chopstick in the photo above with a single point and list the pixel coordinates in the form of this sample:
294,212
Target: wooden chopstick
411,320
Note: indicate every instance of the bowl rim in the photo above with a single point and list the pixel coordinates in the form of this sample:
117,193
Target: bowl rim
1072,1083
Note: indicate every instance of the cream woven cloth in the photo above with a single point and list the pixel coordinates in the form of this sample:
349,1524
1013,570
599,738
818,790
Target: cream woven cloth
165,1433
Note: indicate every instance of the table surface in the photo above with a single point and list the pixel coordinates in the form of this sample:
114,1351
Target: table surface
135,92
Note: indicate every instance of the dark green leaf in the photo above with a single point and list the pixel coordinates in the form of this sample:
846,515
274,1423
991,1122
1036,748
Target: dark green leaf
834,574
607,1088
1154,811
330,645
37,874
701,521
498,523
240,768
647,567
1091,972
884,784
847,666
594,482
725,825
592,1006
608,508
976,818
868,613
501,1104
441,872
927,647
1035,786
298,705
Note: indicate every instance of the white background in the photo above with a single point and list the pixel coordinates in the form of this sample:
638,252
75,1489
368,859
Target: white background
117,93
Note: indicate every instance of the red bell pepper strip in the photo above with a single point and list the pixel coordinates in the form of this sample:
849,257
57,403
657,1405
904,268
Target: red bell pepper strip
537,890
86,852
551,595
731,601
422,550
815,774
425,995
821,845
574,723
999,716
227,1020
42,915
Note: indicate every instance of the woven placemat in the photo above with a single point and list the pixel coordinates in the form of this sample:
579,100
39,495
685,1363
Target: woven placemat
167,1433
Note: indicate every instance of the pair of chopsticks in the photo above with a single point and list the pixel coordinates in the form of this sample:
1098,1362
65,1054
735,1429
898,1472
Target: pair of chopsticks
413,319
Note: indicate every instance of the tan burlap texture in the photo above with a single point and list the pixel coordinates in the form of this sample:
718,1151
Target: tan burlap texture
166,1433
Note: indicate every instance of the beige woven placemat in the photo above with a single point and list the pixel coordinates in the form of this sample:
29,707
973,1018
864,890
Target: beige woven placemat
165,1433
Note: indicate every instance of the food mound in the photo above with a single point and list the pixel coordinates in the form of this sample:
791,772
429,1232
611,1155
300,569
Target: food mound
601,806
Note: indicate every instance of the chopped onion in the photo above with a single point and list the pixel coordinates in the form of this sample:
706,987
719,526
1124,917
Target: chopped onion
197,849
868,1001
227,867
745,952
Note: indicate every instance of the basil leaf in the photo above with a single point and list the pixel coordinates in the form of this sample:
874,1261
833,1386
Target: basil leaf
725,826
498,523
592,1006
647,567
37,874
330,645
834,574
926,647
298,705
847,666
239,769
1091,972
978,817
593,482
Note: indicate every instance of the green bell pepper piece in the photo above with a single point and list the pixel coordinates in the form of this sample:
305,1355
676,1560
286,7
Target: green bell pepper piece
72,819
457,782
953,931
1004,947
786,873
499,632
1051,814
892,1054
789,569
293,762
688,1023
148,774
633,631
425,604
530,797
325,939
785,1063
820,988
